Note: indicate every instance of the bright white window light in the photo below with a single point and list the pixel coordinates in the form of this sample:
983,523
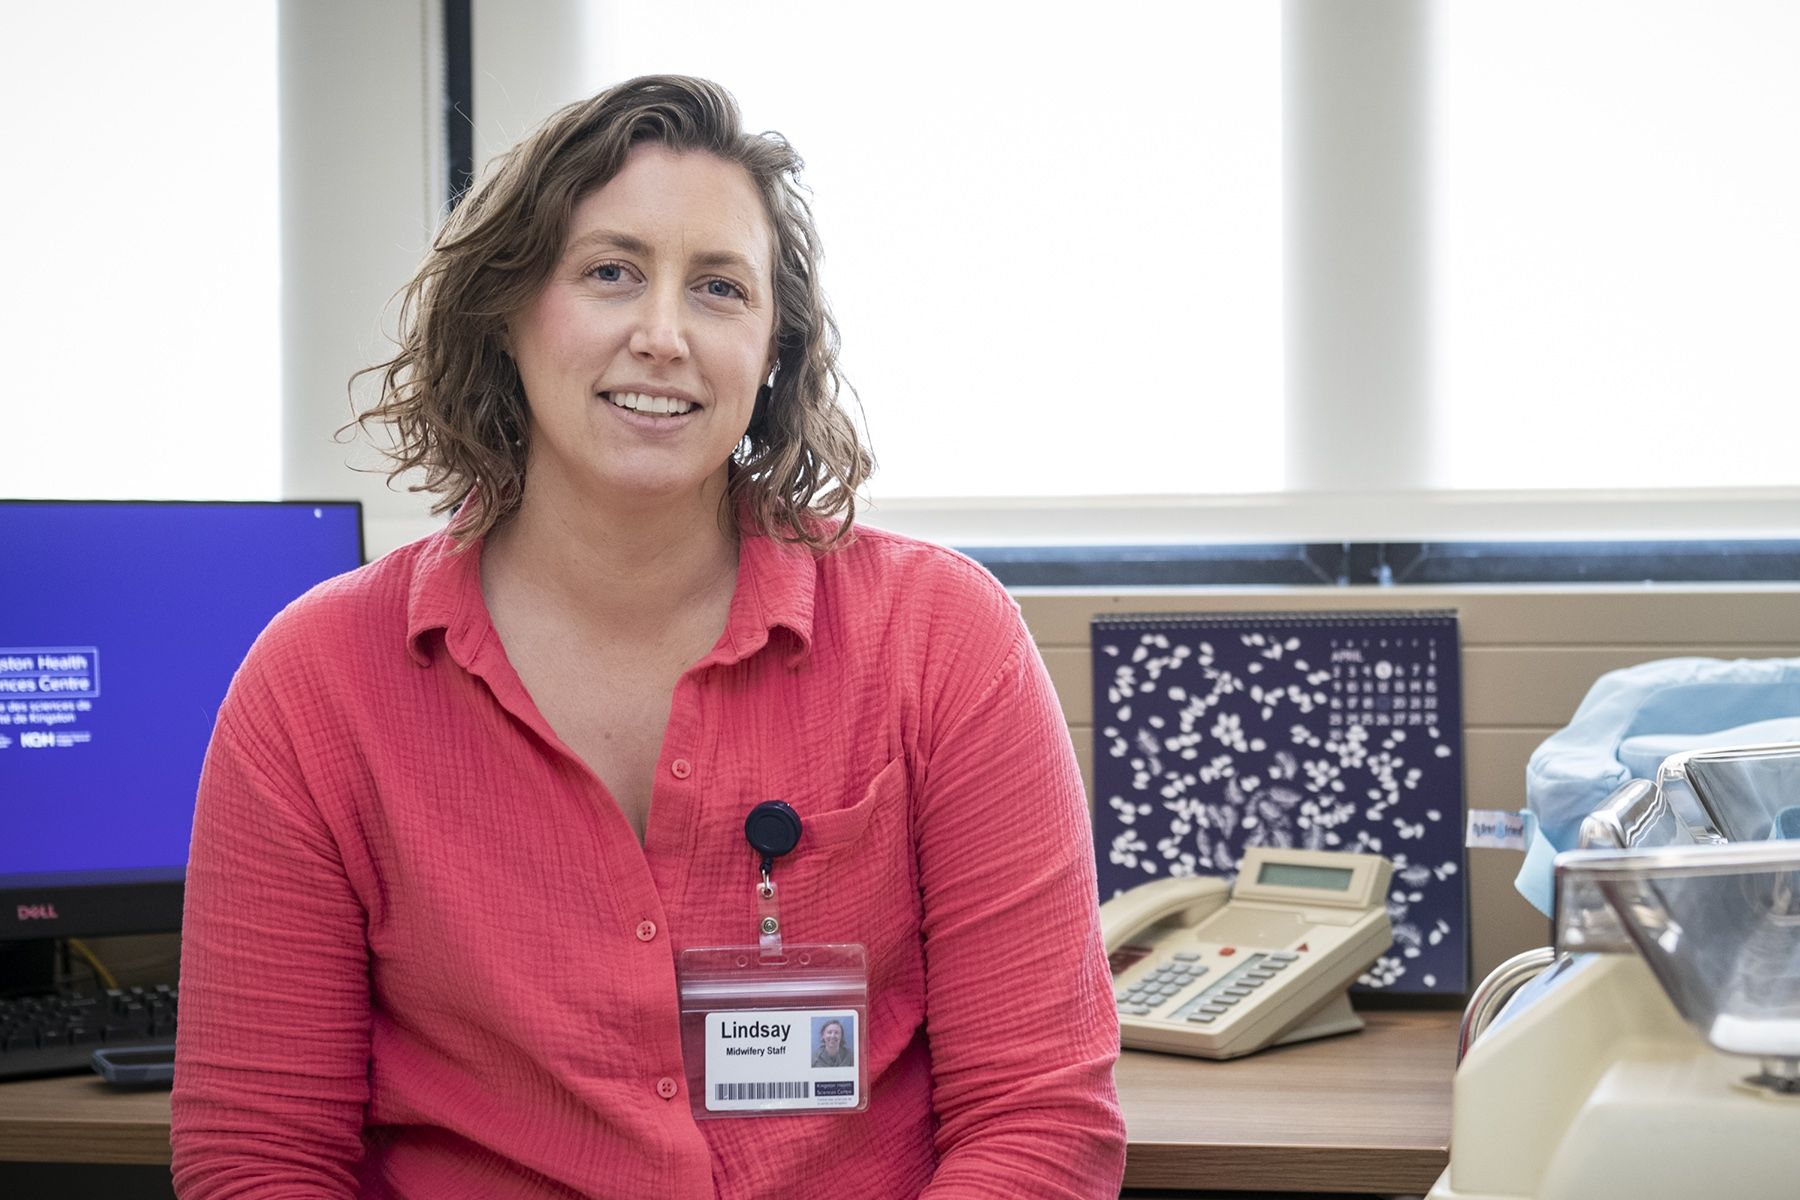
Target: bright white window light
1618,247
1052,232
141,250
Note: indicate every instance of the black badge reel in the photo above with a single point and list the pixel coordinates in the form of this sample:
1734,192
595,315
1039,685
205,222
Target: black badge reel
771,1028
772,829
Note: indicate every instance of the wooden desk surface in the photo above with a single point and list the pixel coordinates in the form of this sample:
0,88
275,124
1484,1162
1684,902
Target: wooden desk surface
80,1118
1368,1112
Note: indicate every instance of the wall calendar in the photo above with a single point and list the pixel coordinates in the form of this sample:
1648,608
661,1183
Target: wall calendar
1214,733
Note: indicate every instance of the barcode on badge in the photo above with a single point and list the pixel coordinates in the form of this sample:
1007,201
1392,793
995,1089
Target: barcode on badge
800,1089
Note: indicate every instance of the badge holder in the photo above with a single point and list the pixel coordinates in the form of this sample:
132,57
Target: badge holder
775,1028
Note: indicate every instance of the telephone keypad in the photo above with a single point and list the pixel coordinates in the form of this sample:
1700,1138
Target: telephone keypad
1160,985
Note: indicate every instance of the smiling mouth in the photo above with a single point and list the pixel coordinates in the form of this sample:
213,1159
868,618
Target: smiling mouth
657,406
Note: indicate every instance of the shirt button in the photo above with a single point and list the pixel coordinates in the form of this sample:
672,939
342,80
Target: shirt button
646,930
665,1087
681,768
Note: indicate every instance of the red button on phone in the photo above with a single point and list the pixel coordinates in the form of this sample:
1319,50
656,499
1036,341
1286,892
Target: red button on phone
1227,950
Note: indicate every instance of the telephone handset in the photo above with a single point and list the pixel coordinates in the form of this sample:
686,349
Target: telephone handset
1188,899
1214,971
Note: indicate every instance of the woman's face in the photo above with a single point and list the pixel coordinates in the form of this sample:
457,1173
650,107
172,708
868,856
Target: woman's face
642,354
831,1037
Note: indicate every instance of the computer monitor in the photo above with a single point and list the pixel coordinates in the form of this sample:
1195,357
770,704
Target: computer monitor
121,623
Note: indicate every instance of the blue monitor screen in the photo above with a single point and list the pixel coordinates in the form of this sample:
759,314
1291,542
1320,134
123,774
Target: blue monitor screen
120,627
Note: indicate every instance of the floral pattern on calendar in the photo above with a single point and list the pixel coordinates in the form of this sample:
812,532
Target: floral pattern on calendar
1323,731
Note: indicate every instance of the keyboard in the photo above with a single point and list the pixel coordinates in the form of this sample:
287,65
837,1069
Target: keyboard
58,1034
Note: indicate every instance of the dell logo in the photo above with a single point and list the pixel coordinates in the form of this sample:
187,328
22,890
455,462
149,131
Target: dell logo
37,912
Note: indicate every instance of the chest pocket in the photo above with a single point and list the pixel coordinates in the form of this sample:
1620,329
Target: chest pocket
854,877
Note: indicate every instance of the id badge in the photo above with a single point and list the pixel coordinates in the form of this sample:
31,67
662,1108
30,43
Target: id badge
776,1034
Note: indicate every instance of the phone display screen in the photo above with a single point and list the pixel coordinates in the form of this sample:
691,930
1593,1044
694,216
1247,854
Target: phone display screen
1328,879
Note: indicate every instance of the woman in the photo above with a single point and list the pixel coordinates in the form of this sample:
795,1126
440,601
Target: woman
465,808
832,1051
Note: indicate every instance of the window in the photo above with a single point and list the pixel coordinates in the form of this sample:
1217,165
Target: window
1061,243
1616,199
1052,233
142,250
1058,235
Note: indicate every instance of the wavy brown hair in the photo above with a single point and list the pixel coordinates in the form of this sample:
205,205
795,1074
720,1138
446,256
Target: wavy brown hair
452,392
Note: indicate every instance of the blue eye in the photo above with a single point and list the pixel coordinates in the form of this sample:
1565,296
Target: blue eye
724,289
608,272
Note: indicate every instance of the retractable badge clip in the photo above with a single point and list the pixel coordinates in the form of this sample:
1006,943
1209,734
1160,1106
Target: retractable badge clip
774,1029
772,829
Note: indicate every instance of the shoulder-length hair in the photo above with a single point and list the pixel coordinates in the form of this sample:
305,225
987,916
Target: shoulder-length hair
452,393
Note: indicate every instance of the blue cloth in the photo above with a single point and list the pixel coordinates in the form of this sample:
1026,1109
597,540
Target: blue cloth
1787,822
1630,720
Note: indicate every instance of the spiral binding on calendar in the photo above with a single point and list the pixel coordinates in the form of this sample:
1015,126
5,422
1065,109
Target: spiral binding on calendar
1335,618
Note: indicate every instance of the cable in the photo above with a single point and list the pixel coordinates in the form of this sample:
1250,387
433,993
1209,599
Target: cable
80,947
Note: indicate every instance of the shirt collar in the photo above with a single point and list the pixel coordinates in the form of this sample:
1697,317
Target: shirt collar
776,586
445,595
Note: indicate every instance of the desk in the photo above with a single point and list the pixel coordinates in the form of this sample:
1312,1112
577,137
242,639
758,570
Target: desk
81,1119
1369,1112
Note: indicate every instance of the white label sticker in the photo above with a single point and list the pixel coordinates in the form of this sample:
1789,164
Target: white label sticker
782,1060
1492,829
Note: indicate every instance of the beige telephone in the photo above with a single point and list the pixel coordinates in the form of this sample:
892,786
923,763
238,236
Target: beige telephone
1217,972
